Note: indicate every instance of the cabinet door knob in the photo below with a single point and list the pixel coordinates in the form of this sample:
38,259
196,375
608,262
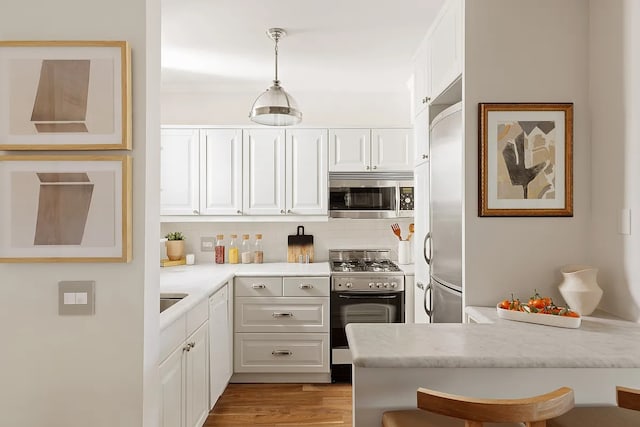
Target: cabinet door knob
368,167
289,211
192,344
239,212
281,211
425,156
375,167
195,212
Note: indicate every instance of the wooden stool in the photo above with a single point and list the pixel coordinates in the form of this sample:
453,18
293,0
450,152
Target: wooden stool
624,415
446,410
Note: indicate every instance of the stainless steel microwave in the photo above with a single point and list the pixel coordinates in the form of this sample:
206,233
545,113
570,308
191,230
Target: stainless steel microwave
371,195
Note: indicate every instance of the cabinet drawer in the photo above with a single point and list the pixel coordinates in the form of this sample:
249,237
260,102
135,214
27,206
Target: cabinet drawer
305,287
308,353
197,316
282,314
172,336
258,286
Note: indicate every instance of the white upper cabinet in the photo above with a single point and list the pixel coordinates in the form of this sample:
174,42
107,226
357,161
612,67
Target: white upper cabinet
421,137
221,172
179,180
362,150
306,172
391,149
421,79
264,172
445,47
349,150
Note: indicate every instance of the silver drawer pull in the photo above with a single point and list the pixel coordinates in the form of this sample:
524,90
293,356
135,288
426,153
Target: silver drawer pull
281,352
279,314
258,286
305,286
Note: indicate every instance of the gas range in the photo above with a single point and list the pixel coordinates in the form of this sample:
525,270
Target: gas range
361,270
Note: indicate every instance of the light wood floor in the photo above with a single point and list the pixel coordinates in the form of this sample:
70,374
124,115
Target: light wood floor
278,405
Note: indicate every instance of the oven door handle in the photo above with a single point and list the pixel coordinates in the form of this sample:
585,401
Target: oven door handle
368,297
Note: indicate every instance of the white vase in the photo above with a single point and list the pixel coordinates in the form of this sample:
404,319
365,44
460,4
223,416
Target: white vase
580,289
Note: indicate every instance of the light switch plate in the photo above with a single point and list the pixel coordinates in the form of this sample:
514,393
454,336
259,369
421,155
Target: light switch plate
207,244
624,222
76,298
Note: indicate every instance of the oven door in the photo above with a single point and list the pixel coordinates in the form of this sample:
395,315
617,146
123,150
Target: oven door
354,307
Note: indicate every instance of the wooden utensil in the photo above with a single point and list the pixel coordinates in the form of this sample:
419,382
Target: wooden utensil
396,230
410,231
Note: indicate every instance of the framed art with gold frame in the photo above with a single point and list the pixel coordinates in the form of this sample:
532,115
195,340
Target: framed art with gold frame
65,208
525,159
65,95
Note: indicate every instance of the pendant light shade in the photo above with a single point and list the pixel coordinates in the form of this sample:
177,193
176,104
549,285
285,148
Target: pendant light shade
275,107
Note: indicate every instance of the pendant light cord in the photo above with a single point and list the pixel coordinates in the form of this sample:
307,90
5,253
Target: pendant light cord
276,38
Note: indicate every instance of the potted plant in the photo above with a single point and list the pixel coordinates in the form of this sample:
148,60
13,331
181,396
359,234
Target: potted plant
175,245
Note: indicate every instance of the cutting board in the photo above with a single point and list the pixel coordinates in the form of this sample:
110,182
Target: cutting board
299,244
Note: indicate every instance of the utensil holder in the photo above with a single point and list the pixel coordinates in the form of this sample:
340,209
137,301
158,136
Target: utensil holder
404,252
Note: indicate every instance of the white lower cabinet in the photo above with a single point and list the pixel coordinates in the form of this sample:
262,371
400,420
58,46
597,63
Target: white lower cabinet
285,332
220,344
197,377
172,390
184,373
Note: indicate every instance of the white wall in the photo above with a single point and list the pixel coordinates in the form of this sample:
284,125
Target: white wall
524,51
67,371
318,108
614,91
335,234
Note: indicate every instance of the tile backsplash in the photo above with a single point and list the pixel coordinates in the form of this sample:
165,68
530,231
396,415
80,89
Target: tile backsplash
334,234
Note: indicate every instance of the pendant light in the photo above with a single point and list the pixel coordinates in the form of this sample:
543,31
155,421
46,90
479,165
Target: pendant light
275,107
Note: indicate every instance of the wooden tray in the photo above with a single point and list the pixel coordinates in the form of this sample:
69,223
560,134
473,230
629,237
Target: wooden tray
540,319
168,263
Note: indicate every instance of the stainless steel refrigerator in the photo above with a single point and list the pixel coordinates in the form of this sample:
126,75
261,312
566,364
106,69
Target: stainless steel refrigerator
442,245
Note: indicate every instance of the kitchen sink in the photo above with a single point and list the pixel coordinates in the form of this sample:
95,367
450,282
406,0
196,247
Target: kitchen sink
167,300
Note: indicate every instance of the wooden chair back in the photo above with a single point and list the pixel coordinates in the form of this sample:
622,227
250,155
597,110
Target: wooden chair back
628,398
533,411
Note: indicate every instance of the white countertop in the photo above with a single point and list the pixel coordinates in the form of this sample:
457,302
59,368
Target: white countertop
202,280
408,269
598,343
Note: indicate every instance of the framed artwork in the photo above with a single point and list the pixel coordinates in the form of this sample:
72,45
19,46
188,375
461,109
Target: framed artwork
65,208
526,159
65,95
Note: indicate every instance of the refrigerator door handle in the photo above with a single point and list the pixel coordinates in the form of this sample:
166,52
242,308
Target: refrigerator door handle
427,258
426,309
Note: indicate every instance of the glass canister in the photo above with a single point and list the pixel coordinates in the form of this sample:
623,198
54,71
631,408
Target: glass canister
219,249
245,250
258,254
233,250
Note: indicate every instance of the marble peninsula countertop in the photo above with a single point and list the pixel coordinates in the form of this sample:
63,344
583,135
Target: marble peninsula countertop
202,280
600,342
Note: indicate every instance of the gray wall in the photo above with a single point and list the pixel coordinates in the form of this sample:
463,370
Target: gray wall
99,370
614,90
525,51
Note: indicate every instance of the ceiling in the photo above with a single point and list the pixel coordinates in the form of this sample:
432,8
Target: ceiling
331,45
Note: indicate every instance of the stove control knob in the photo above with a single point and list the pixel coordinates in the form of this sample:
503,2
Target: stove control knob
371,284
386,285
378,285
348,285
394,285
